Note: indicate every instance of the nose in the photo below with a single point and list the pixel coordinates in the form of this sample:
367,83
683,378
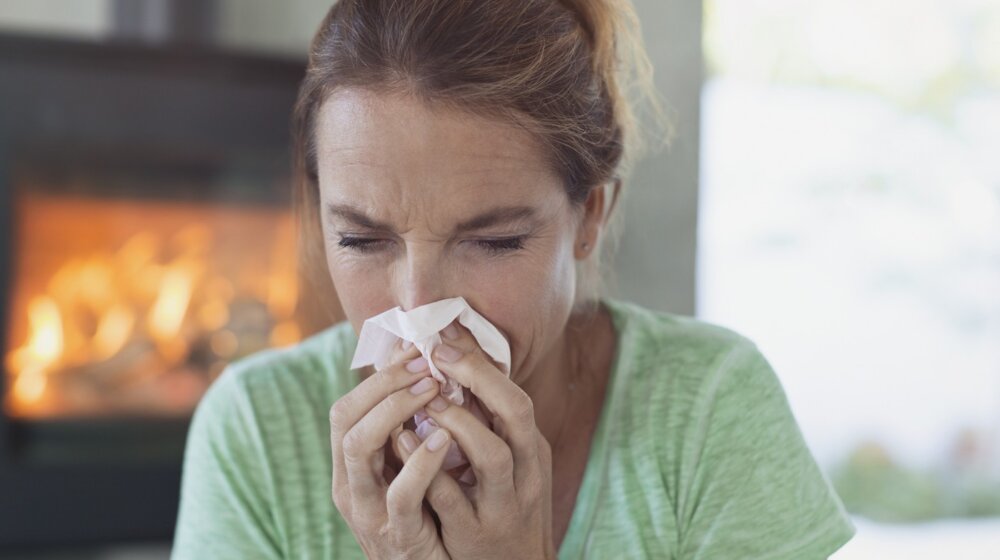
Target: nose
421,279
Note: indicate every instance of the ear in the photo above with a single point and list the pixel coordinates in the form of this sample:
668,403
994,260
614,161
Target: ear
596,210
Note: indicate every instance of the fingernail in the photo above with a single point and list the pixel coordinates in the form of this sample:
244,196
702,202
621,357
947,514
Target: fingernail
437,439
417,365
450,332
447,353
422,386
408,441
438,404
407,344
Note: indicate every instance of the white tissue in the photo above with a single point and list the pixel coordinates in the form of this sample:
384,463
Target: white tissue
422,326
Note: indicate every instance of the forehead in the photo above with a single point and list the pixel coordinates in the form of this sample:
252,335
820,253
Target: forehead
364,136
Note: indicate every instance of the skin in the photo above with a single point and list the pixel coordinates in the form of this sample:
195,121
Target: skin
396,179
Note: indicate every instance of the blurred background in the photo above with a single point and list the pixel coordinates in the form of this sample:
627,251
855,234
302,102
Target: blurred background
850,225
832,192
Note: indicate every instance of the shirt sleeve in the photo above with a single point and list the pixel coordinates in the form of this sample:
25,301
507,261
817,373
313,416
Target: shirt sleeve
754,490
224,513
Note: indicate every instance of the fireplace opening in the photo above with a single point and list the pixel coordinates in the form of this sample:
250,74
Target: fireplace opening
133,307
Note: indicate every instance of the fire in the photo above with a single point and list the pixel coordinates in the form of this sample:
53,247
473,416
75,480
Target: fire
158,306
168,312
40,353
46,341
113,331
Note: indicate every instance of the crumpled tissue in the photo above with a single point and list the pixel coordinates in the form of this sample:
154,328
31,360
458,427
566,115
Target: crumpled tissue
422,326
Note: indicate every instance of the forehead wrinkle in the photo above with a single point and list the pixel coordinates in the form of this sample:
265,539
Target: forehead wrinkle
412,169
517,215
487,146
503,163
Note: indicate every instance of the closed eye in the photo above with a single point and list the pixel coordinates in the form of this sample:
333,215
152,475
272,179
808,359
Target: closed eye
359,244
499,246
491,246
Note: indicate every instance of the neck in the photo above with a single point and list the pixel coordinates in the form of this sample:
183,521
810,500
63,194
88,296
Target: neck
564,378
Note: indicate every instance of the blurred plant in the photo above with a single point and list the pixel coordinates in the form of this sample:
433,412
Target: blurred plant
875,485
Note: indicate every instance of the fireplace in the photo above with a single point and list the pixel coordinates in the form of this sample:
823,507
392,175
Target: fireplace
146,240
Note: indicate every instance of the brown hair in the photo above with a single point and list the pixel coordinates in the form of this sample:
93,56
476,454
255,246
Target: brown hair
561,69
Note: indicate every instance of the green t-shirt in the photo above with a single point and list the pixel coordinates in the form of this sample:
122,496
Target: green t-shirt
696,455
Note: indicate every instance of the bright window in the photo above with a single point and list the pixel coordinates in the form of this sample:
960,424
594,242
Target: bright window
850,225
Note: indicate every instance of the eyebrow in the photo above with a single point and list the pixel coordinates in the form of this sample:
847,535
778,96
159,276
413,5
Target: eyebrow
495,216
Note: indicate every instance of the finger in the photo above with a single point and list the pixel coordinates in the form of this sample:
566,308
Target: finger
463,360
378,458
545,454
401,352
350,407
451,503
394,439
364,443
491,457
421,463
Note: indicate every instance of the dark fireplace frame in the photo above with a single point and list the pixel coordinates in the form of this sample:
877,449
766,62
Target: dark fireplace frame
70,104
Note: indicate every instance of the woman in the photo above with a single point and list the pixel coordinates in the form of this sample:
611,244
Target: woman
468,148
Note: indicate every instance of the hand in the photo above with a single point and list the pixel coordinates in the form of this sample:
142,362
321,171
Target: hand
388,518
508,513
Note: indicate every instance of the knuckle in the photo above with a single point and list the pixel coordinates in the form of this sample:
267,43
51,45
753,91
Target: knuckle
340,499
499,459
390,376
353,444
396,499
394,399
442,498
524,410
531,489
381,377
338,414
394,403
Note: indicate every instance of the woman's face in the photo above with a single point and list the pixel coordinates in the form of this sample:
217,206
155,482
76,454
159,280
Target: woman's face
419,206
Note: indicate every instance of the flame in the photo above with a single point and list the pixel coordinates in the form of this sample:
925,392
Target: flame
154,295
41,352
29,387
113,331
171,305
46,343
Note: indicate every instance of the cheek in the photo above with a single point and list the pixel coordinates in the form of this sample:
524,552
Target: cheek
527,286
362,292
529,302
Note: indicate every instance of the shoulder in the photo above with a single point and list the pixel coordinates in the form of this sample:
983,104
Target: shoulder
684,372
313,370
708,405
684,348
658,331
